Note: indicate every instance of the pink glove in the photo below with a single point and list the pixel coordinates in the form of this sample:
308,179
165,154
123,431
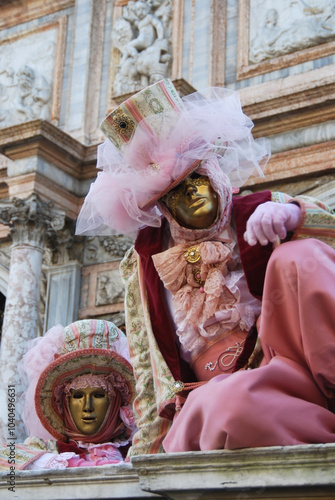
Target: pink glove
270,220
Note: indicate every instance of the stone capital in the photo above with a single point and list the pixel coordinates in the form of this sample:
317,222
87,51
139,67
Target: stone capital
31,219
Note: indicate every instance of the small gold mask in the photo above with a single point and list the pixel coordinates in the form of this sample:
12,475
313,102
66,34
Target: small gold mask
193,203
88,408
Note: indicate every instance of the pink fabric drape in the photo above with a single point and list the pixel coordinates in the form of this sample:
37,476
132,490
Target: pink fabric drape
289,400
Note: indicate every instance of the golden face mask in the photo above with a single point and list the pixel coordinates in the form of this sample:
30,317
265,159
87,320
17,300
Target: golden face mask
193,203
88,407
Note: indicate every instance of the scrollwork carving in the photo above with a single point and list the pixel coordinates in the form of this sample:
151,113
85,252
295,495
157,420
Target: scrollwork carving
103,248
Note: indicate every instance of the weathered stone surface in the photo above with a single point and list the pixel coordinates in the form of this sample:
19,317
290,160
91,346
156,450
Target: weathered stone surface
276,472
100,483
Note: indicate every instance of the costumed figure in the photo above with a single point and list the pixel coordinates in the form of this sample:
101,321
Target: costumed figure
209,271
77,403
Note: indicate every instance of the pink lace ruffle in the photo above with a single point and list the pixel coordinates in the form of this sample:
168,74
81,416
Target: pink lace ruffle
210,308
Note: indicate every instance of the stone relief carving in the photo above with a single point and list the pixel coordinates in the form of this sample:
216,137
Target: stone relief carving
103,249
142,37
110,288
26,68
291,26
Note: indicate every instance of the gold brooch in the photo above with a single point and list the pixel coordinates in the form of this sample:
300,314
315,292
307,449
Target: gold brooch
192,254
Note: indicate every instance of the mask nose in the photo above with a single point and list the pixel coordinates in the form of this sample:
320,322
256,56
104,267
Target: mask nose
88,404
190,189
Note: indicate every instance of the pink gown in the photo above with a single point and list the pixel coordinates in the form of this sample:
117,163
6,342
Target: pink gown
290,399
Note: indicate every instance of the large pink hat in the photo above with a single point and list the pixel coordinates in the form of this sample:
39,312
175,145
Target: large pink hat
156,139
160,99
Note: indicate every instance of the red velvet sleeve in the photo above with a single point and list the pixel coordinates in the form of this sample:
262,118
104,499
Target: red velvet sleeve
254,258
149,242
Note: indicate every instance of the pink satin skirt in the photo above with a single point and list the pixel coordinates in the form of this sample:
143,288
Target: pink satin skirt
290,399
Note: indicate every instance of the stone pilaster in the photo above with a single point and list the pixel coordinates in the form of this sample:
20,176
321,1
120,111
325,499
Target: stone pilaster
30,221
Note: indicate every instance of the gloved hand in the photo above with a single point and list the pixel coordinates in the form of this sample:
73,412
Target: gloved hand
270,220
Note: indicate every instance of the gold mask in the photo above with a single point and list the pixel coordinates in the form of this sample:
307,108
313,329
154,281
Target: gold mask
193,203
88,408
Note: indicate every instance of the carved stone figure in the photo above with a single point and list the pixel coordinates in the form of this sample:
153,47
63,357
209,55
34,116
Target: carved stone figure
26,71
109,288
25,95
141,35
292,26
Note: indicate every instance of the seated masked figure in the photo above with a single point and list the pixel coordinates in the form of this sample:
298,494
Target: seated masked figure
77,403
231,295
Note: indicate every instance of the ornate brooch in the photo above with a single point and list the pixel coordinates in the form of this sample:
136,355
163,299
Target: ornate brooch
192,254
123,124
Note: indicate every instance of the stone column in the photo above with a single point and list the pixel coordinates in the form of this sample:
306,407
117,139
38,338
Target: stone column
30,221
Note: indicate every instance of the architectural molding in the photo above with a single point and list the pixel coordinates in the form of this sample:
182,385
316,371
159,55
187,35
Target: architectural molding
299,118
281,473
23,185
40,140
288,472
317,159
94,74
17,137
100,249
286,95
80,483
13,14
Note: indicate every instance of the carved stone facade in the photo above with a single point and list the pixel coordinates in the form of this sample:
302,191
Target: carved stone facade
65,63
